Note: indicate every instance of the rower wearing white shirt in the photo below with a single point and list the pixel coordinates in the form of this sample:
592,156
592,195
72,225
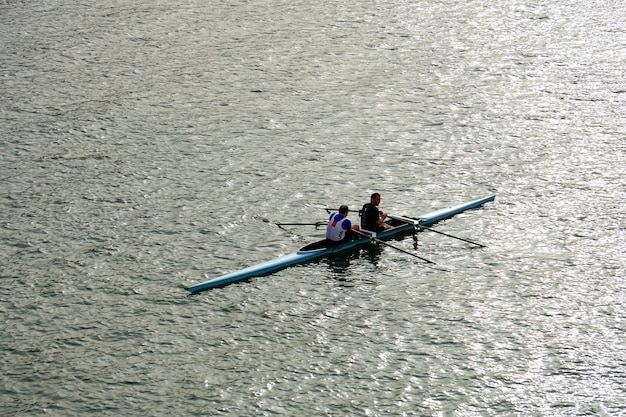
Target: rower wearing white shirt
339,228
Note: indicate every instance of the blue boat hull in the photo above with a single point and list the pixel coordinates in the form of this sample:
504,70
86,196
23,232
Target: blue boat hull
304,255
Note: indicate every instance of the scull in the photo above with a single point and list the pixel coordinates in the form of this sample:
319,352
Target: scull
318,250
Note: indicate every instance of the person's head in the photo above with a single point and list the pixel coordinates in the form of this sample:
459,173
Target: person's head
343,210
375,199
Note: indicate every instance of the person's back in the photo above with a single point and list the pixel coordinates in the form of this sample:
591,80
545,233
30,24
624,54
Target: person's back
369,217
373,219
340,228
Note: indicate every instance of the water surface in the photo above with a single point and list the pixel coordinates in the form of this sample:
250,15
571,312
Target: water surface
146,146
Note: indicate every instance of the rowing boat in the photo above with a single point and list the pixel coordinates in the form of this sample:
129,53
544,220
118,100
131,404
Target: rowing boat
318,249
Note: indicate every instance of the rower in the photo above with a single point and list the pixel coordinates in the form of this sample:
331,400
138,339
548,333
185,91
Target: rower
373,219
340,229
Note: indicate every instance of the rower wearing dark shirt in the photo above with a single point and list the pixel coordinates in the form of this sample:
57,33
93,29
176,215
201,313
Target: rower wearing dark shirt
372,218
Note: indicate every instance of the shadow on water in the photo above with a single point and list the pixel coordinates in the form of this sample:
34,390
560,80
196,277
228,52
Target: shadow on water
345,273
340,268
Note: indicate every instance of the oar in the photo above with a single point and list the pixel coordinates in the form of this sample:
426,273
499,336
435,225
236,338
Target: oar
377,240
316,224
454,237
328,210
416,223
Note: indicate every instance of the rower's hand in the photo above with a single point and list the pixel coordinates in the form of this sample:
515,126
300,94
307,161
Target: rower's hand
383,215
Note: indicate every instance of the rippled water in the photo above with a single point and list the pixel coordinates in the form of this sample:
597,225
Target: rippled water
146,146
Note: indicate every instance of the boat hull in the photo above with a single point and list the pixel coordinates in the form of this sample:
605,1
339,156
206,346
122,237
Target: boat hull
305,255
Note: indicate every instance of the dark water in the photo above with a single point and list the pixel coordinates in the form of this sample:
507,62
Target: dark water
144,146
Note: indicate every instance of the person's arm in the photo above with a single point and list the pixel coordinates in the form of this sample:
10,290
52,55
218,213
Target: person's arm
381,219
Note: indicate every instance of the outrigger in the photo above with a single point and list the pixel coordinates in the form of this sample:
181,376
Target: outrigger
402,226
